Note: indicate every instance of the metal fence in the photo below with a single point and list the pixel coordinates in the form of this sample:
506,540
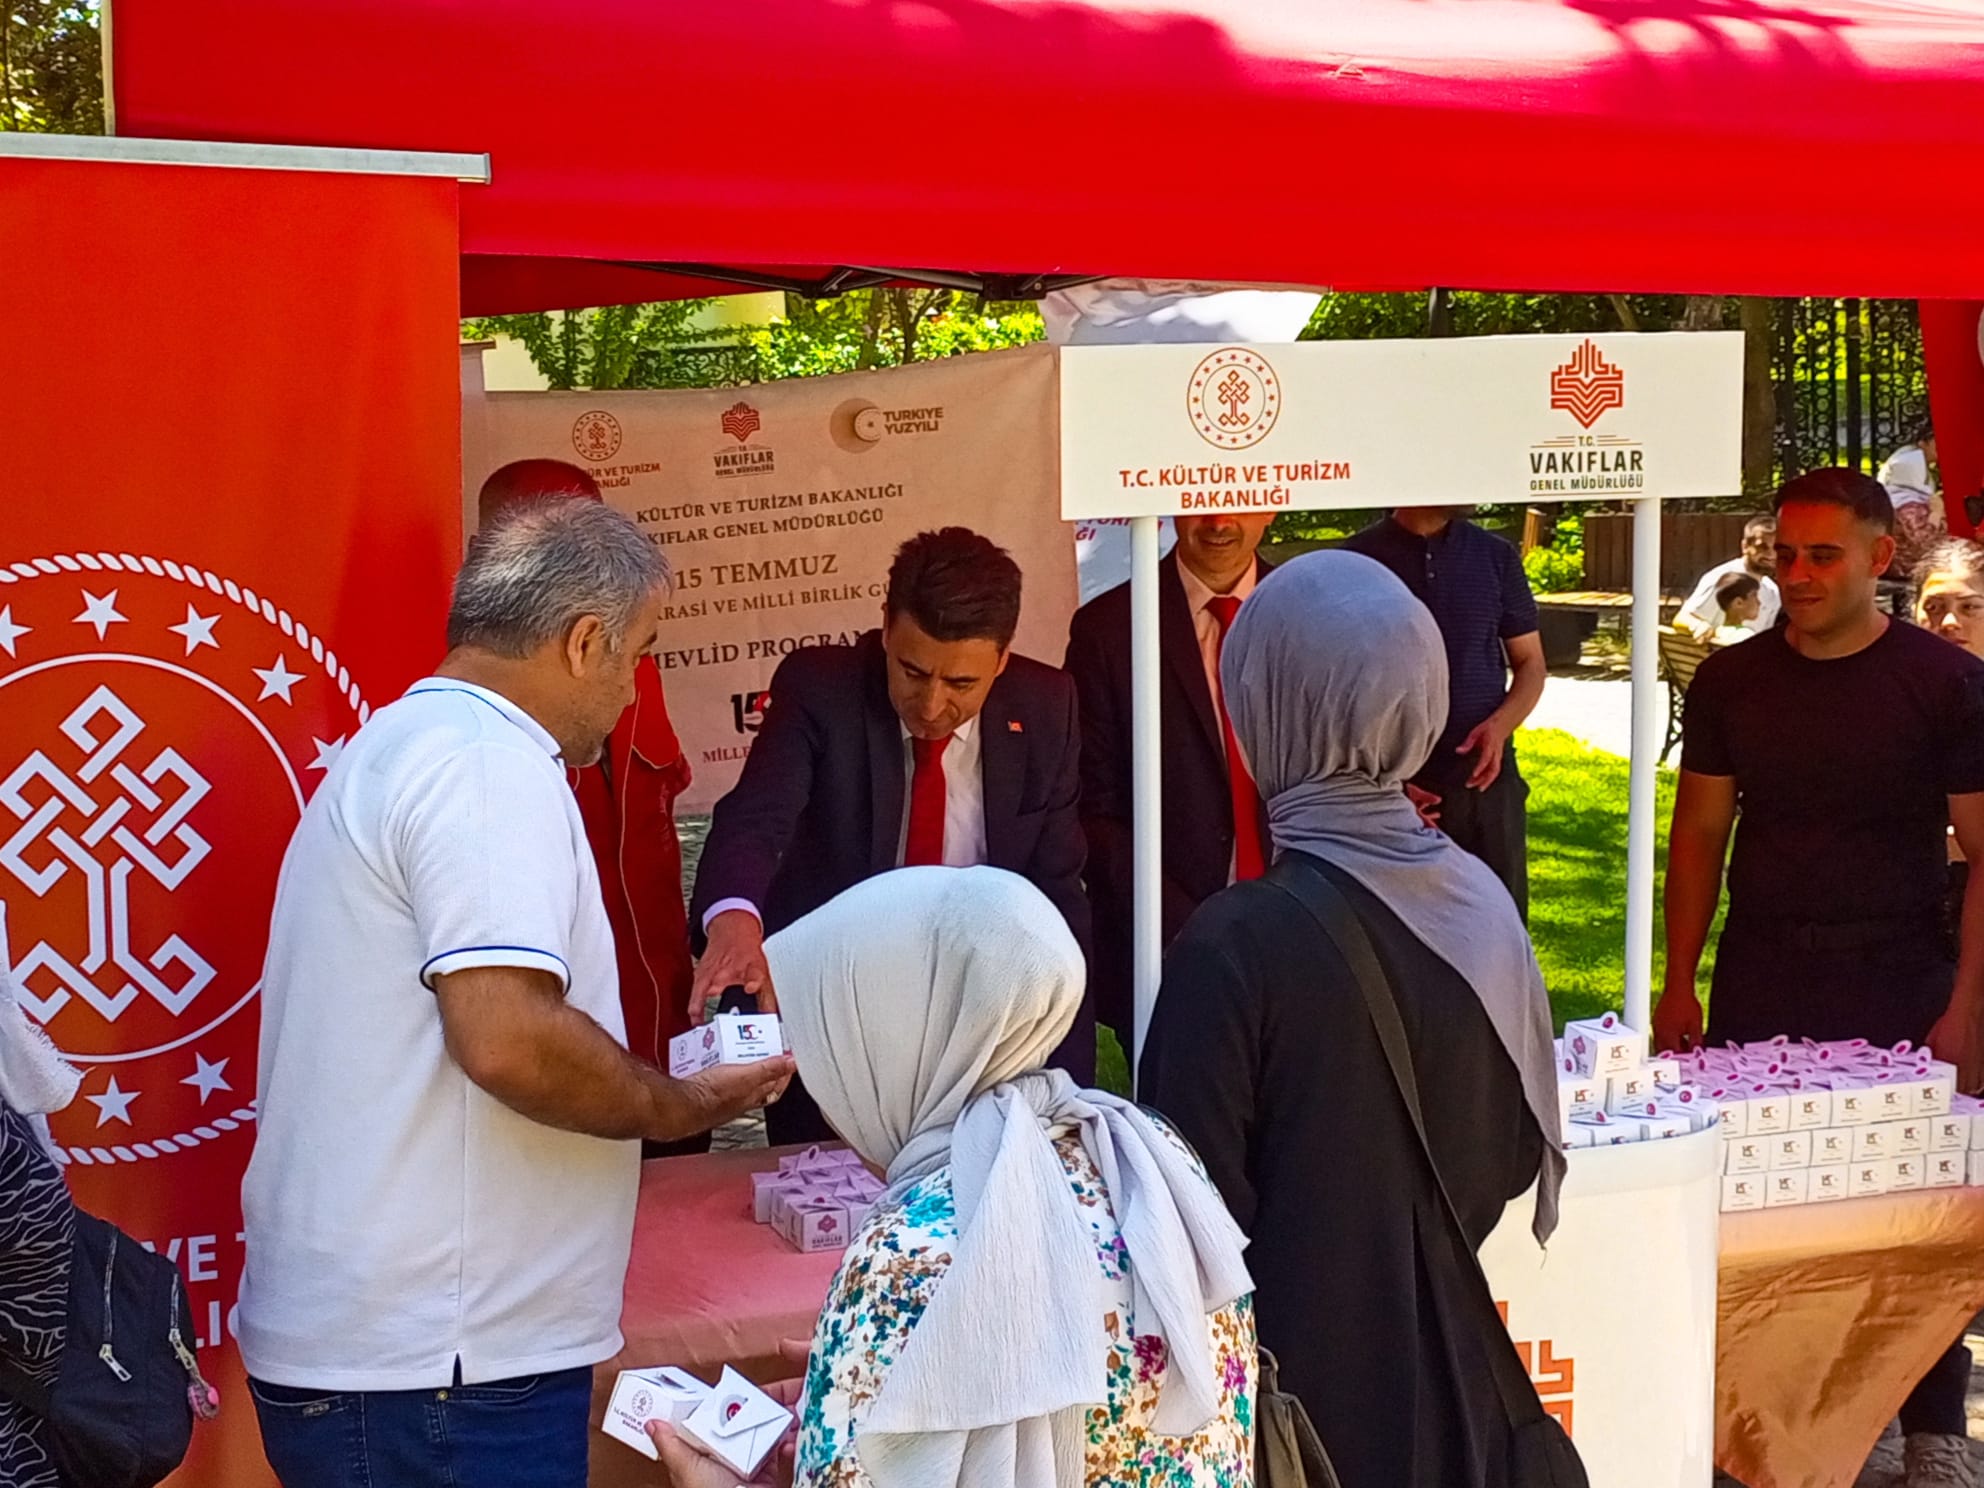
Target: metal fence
1849,381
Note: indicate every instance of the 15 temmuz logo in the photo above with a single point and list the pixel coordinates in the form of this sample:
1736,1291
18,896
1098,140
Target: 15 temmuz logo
748,709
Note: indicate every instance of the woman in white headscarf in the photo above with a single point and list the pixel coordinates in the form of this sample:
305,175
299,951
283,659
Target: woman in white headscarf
37,1223
1919,522
1263,1052
1051,1293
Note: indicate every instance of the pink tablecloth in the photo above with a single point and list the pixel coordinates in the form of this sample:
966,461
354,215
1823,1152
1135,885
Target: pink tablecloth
706,1287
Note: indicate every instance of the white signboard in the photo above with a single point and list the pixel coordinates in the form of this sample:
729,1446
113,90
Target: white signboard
1178,430
780,507
1102,551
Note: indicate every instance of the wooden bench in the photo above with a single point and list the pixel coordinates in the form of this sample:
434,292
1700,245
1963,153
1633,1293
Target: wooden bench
1680,655
1567,619
1602,601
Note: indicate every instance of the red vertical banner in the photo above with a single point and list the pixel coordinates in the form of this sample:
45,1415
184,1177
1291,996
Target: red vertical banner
230,504
1953,350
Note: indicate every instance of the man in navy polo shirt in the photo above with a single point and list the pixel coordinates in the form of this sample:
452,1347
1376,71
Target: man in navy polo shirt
1473,583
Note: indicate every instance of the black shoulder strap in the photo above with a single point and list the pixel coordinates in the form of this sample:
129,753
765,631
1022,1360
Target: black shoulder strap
1307,886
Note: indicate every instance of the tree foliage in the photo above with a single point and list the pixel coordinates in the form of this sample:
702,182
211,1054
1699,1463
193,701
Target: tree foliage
1342,317
670,344
51,67
662,345
885,328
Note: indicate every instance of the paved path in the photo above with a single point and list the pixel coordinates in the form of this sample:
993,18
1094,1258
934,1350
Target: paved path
1596,708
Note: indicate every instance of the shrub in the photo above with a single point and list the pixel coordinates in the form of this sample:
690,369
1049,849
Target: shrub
1553,570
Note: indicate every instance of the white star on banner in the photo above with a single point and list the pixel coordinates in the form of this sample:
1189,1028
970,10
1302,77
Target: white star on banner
277,681
113,1104
327,754
207,1078
198,630
100,612
9,631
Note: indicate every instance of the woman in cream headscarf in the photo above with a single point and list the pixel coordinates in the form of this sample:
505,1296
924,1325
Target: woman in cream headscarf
1050,1294
1263,1052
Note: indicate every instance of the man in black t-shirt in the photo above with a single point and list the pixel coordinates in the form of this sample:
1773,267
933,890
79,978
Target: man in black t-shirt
1848,741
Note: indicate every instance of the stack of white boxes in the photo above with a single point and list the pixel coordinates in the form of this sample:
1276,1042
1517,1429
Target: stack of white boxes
816,1199
1811,1123
1610,1093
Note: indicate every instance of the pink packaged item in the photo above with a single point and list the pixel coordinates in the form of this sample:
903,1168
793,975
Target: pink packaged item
818,1159
764,1189
818,1222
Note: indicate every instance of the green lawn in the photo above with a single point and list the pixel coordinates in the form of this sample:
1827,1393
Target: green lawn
1577,871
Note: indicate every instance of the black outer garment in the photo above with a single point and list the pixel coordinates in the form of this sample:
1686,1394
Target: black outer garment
1262,1053
1198,797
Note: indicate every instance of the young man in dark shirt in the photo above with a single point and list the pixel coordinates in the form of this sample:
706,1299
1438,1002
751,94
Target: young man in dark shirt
1848,740
1473,583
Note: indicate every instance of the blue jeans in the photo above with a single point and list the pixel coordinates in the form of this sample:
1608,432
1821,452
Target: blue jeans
517,1433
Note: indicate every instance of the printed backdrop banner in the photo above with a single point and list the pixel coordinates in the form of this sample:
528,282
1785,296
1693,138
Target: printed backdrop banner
229,480
780,506
1180,430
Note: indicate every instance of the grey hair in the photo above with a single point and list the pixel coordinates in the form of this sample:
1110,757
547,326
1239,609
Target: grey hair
538,566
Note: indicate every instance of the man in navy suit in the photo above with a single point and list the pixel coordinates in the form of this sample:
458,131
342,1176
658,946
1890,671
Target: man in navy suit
927,742
1214,827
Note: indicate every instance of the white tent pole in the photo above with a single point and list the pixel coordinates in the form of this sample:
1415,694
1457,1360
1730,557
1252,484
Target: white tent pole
1649,732
1146,775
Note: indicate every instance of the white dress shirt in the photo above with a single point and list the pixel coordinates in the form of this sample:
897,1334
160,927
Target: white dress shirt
1197,597
1206,624
964,798
964,809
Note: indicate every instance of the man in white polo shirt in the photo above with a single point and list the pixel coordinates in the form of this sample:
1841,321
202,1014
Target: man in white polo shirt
441,1199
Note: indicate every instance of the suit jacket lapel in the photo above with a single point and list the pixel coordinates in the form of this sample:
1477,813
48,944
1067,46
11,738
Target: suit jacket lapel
887,788
1002,764
1178,641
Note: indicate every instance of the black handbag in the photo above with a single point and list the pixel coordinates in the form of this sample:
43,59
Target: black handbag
119,1413
1540,1454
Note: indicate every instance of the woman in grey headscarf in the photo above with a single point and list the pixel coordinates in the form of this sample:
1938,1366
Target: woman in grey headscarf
1264,1054
1051,1293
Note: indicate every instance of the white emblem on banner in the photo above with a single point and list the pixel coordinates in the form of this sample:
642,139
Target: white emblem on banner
79,826
150,776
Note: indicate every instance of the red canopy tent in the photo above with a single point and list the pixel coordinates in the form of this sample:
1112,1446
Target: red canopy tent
1727,146
643,150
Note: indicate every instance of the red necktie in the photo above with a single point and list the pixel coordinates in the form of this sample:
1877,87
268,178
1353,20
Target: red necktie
1248,858
925,847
